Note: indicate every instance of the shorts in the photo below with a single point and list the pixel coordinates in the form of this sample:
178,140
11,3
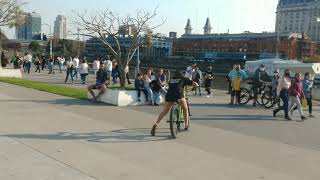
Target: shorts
173,97
97,86
235,92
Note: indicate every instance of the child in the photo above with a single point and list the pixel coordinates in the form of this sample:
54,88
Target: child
307,90
139,85
236,87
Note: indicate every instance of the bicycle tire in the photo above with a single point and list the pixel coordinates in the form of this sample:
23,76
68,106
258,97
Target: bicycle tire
267,100
244,96
174,121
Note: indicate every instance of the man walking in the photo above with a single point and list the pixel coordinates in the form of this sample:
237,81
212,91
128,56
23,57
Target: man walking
76,63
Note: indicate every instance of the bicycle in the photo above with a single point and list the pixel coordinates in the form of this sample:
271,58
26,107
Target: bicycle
177,118
270,99
246,95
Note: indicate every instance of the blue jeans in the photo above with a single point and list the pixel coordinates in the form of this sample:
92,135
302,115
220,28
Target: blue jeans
75,70
156,97
150,94
284,95
83,77
69,73
51,67
28,67
60,67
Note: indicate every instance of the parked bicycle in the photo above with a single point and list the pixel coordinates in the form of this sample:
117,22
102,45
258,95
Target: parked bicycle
248,94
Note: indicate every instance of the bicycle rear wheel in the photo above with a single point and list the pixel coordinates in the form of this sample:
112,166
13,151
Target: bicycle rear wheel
244,96
174,122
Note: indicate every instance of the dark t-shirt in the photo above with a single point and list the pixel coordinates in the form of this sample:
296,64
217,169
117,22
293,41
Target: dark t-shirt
176,87
102,76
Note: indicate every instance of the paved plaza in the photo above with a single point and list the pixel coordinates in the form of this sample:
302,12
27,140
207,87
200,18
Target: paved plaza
47,136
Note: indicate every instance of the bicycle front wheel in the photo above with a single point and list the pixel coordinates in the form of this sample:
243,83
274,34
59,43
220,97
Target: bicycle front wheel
174,121
267,100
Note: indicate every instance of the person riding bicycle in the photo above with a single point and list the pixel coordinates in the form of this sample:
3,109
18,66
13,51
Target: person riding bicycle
260,77
175,93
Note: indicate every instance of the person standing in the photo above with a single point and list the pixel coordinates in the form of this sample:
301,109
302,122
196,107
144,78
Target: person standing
61,61
307,90
76,63
126,70
28,60
51,65
190,70
197,77
236,88
115,72
70,68
283,93
296,94
96,65
84,71
43,62
37,62
234,75
260,76
14,60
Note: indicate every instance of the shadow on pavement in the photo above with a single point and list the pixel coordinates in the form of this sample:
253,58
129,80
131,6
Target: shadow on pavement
222,105
65,102
235,118
116,136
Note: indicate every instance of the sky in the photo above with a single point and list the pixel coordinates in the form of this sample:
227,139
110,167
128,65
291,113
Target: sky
235,16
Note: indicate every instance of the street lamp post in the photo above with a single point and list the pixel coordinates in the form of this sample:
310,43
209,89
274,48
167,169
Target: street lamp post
50,38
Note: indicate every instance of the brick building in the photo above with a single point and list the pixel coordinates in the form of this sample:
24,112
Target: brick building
251,45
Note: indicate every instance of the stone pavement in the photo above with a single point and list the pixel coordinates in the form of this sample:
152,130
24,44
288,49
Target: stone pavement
106,142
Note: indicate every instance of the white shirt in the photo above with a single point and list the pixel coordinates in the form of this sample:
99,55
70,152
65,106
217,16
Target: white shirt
108,65
76,62
96,64
284,83
189,72
61,60
28,58
83,68
69,64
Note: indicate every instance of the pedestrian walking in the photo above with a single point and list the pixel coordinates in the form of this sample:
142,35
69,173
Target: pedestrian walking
296,94
37,62
96,65
70,68
307,90
83,71
76,63
283,93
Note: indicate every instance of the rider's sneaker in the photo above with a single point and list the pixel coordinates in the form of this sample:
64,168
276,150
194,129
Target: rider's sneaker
311,116
153,130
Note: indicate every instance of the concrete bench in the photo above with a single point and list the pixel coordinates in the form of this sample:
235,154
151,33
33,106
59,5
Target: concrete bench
122,97
10,73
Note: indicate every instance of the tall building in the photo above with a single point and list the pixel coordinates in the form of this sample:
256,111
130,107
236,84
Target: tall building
299,16
30,28
60,27
207,27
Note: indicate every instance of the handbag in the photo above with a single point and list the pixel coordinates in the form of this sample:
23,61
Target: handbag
304,103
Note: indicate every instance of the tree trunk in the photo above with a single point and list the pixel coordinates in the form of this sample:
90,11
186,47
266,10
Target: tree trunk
122,77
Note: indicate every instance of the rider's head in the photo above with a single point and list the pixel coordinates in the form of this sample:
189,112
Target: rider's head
262,67
287,72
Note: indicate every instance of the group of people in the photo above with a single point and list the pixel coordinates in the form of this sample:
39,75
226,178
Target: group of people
292,92
152,85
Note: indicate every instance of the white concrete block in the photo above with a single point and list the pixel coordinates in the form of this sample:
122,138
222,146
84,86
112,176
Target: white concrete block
122,98
11,73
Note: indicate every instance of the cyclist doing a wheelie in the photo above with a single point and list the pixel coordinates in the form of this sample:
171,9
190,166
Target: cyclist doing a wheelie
175,94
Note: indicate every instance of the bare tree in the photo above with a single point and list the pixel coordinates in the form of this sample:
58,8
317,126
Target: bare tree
11,15
108,27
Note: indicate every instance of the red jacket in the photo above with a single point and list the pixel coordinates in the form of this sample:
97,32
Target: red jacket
296,89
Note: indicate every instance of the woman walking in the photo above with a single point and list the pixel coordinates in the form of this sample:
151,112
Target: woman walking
296,94
283,92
